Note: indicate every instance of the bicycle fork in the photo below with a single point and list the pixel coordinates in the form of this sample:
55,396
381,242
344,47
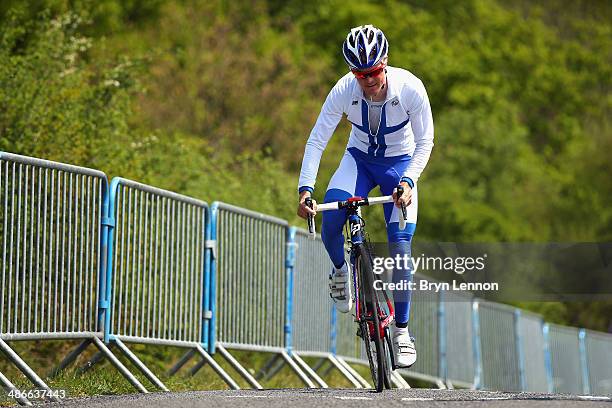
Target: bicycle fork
356,238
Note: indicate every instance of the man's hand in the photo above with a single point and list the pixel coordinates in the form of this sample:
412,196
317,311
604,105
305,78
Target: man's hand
405,198
303,210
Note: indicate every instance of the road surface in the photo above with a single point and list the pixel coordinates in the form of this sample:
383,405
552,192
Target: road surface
419,398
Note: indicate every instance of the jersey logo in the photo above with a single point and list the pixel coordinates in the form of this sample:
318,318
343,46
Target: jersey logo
378,146
395,103
355,229
354,102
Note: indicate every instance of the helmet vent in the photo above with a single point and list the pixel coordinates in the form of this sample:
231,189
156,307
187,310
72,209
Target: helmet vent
362,55
373,53
365,46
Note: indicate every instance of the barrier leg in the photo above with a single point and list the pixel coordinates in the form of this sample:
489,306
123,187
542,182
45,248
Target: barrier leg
280,363
69,359
218,369
328,369
26,370
95,359
344,371
297,370
309,370
140,365
193,370
238,367
399,381
320,363
8,387
179,364
354,373
263,371
119,366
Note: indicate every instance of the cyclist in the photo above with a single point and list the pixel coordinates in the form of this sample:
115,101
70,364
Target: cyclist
390,143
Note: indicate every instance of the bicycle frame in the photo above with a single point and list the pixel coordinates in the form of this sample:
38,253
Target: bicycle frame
358,238
373,322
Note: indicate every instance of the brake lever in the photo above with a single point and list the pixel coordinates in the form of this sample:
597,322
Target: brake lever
311,223
404,217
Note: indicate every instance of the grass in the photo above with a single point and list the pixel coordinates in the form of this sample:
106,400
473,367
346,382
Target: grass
104,379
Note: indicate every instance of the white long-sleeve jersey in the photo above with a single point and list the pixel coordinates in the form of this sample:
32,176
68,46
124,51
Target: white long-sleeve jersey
406,124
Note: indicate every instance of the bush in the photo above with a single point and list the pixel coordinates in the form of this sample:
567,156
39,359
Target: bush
56,105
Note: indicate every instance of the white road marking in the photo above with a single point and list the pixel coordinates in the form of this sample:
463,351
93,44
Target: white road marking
417,399
493,398
593,398
582,397
354,398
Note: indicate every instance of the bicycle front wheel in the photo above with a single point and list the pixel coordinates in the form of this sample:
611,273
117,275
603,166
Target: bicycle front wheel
388,353
369,324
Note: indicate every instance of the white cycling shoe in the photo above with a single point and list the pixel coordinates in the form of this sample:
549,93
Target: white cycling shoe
340,288
403,347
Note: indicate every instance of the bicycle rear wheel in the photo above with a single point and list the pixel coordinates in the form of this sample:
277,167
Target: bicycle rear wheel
369,324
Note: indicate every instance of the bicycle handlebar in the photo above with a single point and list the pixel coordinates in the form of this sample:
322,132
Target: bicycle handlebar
359,202
338,205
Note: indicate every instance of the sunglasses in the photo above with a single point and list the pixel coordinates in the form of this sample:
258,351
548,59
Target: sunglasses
364,75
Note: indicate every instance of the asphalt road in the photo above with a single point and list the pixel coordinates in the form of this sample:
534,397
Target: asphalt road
420,398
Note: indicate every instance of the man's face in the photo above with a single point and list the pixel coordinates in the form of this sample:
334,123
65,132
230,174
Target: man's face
372,80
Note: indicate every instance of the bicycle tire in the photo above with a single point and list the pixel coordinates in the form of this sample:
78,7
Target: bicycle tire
388,359
369,301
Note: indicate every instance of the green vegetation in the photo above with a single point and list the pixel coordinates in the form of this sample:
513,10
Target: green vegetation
216,99
183,93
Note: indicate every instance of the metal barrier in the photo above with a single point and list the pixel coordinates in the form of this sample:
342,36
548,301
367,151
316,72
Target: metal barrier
459,339
311,321
311,324
499,348
347,344
158,273
599,361
424,326
250,279
532,344
53,247
158,265
51,217
565,359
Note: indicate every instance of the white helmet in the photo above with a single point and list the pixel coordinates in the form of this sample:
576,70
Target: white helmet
365,46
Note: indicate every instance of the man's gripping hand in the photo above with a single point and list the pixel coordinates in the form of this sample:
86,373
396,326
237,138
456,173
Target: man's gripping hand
303,210
405,198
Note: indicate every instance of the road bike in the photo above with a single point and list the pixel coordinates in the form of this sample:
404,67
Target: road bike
374,311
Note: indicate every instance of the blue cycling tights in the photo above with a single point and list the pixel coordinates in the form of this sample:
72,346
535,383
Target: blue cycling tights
357,175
